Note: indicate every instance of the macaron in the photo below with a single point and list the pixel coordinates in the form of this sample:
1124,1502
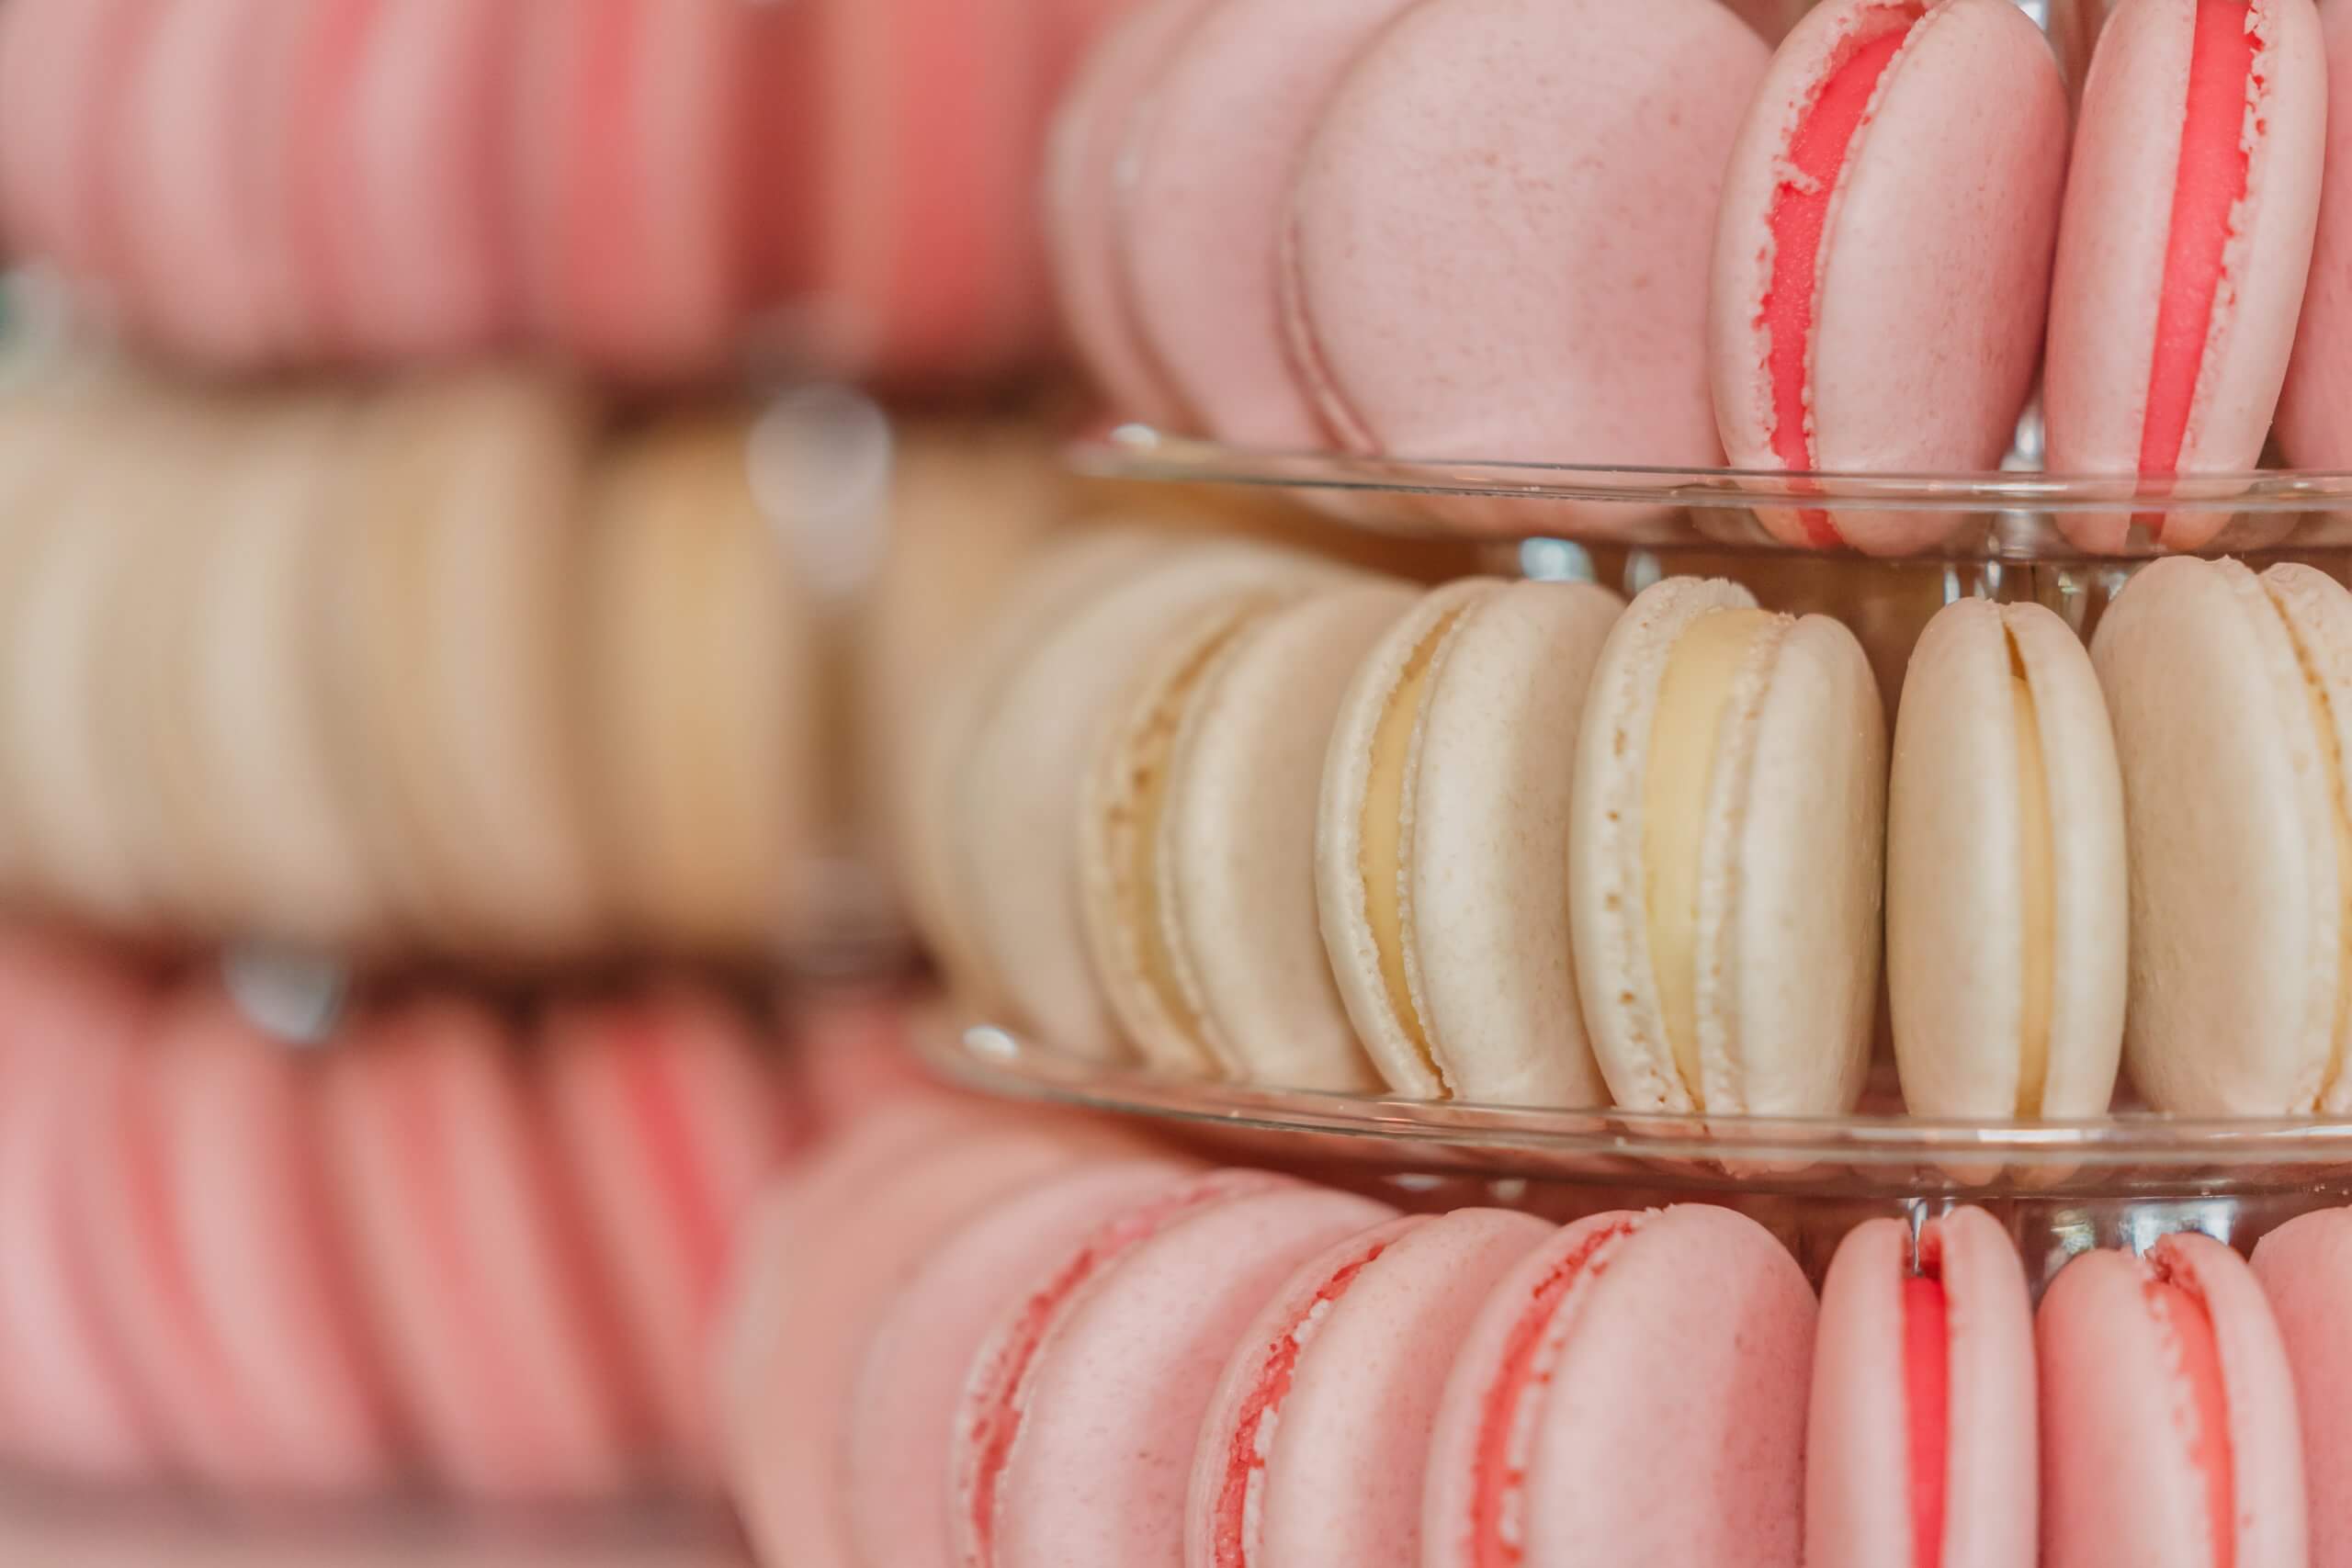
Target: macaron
1125,1336
1197,830
2305,1270
1883,251
2314,429
1205,196
1441,844
2232,700
1436,174
2169,1427
65,67
2184,244
1318,1432
1920,1446
1632,1391
2006,890
1726,838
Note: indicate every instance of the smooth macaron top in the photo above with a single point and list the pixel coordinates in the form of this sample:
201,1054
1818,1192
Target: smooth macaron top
1497,239
2187,237
2315,404
1441,844
2006,887
1724,846
1883,249
2232,700
1920,1447
2305,1269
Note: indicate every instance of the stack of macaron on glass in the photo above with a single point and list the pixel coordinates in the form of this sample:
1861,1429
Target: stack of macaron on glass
1232,813
1521,231
1297,1375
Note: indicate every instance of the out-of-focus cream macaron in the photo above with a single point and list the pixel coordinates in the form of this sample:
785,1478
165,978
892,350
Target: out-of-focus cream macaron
1441,844
2232,699
1016,825
2005,898
1725,857
1198,836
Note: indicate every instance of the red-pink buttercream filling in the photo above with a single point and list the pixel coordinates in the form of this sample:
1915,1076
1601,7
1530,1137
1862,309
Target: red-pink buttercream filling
1234,1546
1523,1373
2189,1327
1799,217
1926,1361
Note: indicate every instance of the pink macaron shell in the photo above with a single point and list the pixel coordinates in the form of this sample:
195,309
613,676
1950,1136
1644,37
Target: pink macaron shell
65,66
2121,1480
1202,212
1136,1352
902,1415
1081,203
1635,1389
248,1211
1858,1474
1926,297
2315,405
1500,233
2115,241
851,1057
2305,1268
1316,1440
668,1122
476,1274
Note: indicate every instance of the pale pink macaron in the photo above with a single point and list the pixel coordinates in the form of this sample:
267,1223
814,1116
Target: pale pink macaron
471,1253
852,1057
1920,1445
902,1413
1205,197
1511,263
2315,404
1633,1391
1883,255
65,66
2305,1268
1126,1334
668,1118
2169,1434
2184,245
1316,1437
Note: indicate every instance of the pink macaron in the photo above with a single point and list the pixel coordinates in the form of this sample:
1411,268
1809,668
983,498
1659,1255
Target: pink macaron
1883,251
1125,1335
2184,248
1633,1392
2315,404
65,67
1919,1449
1316,1440
2168,1425
2305,1267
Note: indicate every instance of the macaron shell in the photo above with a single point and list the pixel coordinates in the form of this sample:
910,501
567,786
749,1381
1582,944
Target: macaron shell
1349,1439
2305,1270
1138,1354
2315,429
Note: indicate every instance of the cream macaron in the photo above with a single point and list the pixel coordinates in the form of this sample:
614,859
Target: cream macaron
1197,840
1724,853
1440,847
2232,698
2005,886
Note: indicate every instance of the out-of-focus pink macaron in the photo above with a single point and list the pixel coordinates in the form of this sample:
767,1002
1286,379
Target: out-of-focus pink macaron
1920,1446
1635,1391
1498,241
2169,1437
851,1057
2305,1268
2315,405
2185,246
1883,251
1316,1440
1126,1334
65,66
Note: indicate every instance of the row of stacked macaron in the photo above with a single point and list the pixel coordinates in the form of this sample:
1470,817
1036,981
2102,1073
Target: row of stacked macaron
1307,225
633,184
1249,816
446,666
458,1246
1297,1375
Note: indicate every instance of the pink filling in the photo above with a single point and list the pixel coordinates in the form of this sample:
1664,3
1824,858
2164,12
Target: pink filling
1926,1326
2182,1314
2224,73
1242,1460
1798,218
1496,1479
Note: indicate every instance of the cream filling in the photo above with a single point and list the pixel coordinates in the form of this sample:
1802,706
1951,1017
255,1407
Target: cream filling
1691,698
1382,852
2037,879
2340,816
